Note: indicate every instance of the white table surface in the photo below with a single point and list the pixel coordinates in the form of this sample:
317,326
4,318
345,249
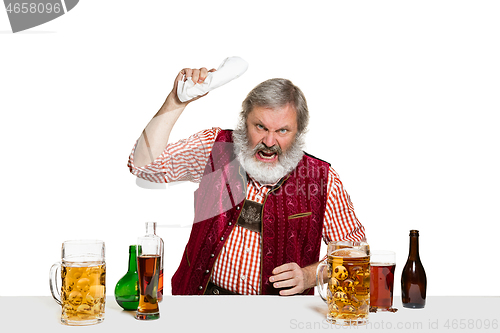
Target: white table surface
255,314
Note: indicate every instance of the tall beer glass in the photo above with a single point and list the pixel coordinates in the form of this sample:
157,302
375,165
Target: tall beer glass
83,290
148,268
382,267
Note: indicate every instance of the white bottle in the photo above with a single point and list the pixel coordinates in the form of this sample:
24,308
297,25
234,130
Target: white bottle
151,232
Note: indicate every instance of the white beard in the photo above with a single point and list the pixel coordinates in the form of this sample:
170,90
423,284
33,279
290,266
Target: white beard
265,173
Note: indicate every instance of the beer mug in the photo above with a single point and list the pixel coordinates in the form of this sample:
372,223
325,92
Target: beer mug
83,288
347,282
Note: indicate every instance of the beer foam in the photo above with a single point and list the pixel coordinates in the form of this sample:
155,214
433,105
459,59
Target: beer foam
348,253
385,264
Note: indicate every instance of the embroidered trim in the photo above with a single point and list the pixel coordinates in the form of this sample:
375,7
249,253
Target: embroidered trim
296,216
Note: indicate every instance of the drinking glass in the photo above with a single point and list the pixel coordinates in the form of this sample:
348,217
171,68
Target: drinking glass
148,268
83,289
347,291
382,267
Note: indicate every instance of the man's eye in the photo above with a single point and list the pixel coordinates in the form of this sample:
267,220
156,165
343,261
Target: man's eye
260,126
283,131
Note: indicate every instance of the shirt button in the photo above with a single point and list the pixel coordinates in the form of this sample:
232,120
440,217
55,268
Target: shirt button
229,223
243,277
237,207
207,271
222,238
200,287
212,255
247,250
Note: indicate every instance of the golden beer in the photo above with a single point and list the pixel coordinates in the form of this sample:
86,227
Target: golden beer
83,292
348,294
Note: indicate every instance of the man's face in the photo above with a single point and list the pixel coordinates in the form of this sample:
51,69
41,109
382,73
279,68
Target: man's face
271,131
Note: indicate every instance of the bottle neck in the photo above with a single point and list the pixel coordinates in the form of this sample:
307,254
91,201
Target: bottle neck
132,259
150,228
413,248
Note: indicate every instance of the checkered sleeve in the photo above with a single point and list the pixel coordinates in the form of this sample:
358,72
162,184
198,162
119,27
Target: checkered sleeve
180,161
340,222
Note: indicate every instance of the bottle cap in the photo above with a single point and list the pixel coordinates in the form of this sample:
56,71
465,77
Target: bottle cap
414,232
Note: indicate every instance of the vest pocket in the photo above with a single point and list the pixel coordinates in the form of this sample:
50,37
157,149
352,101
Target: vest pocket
299,215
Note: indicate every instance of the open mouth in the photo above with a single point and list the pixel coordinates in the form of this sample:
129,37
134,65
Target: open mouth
266,156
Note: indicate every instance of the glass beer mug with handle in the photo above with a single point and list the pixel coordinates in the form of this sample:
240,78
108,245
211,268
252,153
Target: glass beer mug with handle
83,289
345,286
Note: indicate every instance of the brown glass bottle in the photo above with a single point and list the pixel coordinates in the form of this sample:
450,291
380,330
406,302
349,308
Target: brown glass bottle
413,279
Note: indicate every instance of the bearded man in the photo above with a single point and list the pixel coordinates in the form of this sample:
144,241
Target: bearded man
262,206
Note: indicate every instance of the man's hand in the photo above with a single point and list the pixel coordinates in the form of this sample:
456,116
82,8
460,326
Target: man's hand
155,136
196,75
293,277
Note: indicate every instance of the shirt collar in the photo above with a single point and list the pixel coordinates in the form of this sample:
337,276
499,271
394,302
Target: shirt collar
269,186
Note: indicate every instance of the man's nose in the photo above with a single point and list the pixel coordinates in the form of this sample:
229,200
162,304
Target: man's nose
269,139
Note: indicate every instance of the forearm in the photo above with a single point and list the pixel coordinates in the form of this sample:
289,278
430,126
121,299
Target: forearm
154,137
310,275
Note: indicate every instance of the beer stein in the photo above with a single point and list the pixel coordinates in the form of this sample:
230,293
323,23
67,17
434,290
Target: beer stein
345,285
83,289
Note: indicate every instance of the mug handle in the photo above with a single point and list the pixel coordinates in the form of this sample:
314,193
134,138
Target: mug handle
53,282
320,285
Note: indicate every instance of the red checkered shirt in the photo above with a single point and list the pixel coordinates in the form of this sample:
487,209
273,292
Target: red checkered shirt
238,266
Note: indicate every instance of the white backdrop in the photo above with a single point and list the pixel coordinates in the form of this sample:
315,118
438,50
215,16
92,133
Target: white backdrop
403,96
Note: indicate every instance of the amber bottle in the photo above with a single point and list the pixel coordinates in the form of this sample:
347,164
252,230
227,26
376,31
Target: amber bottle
413,279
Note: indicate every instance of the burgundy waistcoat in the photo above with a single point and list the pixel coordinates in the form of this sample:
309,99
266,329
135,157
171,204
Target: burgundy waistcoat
292,218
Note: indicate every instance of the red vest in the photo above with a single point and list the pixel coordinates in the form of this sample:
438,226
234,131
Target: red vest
292,218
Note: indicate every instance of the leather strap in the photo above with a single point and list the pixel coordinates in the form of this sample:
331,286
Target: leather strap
213,289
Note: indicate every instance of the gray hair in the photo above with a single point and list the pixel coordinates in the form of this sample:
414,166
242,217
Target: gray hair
275,93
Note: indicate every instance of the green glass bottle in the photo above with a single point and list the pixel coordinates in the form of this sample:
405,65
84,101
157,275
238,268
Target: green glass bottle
127,288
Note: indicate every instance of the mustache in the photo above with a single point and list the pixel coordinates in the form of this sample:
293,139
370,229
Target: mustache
272,149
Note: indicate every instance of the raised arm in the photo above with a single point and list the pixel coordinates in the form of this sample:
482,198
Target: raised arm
154,137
